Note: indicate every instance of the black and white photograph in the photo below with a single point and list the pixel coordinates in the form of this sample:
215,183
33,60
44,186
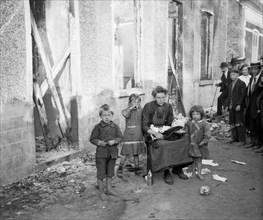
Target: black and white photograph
131,109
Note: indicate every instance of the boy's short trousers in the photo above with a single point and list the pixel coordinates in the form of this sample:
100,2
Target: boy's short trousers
105,167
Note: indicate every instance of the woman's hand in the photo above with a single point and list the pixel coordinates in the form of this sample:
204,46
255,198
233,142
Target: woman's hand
158,136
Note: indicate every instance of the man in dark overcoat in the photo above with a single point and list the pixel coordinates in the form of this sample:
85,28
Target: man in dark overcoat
225,81
252,114
236,104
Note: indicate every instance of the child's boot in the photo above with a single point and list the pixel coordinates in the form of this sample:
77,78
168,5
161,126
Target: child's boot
110,190
102,194
199,170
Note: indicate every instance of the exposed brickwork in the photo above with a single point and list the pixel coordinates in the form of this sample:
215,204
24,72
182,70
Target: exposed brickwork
234,30
17,147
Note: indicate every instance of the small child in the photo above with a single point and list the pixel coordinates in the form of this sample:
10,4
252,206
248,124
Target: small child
199,133
106,135
133,143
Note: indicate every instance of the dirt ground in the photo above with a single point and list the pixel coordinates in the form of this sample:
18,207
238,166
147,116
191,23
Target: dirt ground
68,191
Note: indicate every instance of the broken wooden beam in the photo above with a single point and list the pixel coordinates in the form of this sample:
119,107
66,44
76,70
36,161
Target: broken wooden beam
40,107
62,119
57,67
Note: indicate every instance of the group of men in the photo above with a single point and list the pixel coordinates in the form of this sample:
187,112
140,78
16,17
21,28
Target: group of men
242,95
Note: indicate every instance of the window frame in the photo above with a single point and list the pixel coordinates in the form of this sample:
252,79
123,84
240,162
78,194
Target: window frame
254,50
208,54
137,76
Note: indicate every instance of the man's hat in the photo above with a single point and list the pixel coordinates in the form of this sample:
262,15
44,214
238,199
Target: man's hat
255,65
234,71
233,61
240,59
223,64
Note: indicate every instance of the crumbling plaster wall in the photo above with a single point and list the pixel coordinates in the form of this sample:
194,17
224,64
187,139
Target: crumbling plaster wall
96,45
196,91
160,14
17,150
234,30
154,45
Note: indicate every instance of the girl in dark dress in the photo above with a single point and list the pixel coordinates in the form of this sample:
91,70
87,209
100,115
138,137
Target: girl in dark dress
133,142
199,133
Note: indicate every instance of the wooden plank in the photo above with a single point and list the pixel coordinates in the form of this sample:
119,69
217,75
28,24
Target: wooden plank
57,67
62,119
41,113
176,80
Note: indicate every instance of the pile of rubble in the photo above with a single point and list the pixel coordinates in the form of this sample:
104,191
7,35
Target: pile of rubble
64,181
63,184
220,130
219,126
59,147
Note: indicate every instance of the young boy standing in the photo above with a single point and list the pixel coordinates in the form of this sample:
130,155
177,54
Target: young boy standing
236,103
106,135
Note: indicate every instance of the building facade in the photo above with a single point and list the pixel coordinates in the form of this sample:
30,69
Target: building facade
73,56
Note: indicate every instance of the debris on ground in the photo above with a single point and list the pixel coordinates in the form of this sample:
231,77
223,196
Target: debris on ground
152,215
219,125
59,147
219,178
205,171
238,162
63,183
204,190
209,162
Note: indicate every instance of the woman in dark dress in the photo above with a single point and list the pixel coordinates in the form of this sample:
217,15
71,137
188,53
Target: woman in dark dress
164,154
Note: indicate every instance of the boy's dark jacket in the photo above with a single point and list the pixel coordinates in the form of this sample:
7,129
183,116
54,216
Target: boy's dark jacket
238,94
106,132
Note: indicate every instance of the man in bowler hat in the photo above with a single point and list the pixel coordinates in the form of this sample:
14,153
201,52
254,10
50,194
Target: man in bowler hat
225,82
252,114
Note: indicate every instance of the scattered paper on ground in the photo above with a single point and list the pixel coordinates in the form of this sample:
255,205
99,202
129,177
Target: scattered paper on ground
205,171
209,162
219,178
238,162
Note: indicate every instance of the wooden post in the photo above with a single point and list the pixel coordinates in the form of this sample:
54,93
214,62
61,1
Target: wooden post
41,113
176,80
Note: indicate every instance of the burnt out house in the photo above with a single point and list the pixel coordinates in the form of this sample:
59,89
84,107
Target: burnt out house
62,59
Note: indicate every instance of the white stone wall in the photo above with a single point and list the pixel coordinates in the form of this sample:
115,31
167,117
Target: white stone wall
96,43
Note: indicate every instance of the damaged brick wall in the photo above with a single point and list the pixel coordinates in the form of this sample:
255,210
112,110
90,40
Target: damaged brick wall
17,150
17,147
234,30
